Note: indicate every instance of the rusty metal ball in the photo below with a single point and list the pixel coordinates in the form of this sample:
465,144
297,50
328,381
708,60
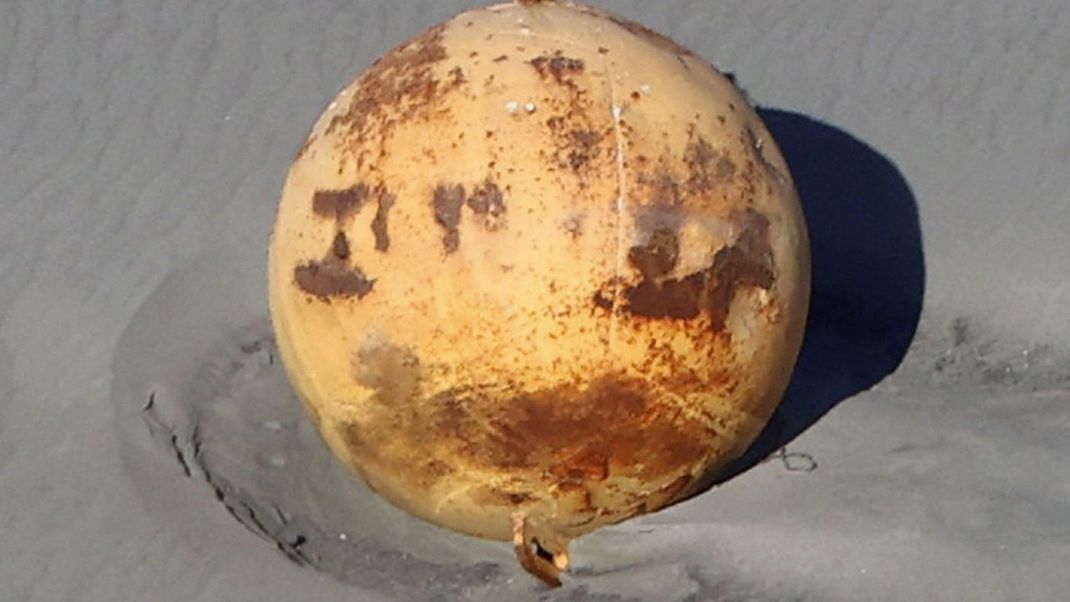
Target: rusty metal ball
537,271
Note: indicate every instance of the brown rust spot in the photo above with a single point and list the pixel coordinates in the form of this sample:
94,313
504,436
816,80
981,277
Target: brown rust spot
666,198
604,298
380,225
332,278
572,473
339,204
747,263
488,203
679,299
457,77
707,167
557,66
658,257
356,436
446,203
584,147
438,468
340,246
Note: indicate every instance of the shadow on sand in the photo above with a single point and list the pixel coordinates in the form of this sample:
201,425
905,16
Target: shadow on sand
868,274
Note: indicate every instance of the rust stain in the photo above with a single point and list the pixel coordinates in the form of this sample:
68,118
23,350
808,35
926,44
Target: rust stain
457,77
658,256
747,263
584,147
340,246
356,436
446,204
557,66
398,87
380,225
332,278
573,434
707,167
339,205
666,197
488,203
438,468
604,298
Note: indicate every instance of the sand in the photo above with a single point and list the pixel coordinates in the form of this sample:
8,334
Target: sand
149,446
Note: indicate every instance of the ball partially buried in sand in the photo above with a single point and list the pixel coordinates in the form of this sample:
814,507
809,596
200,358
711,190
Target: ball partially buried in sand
537,271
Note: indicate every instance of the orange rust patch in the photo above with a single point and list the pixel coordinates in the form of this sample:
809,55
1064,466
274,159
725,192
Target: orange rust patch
572,435
575,433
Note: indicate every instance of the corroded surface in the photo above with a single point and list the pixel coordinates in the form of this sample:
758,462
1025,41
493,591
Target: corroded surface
581,287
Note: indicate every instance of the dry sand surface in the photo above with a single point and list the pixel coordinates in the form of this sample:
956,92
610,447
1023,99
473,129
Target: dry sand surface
151,449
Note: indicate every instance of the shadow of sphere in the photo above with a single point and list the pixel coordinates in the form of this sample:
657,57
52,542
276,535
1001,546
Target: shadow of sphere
868,274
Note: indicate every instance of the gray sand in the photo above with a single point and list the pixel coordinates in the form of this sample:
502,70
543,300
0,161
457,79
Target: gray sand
150,448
